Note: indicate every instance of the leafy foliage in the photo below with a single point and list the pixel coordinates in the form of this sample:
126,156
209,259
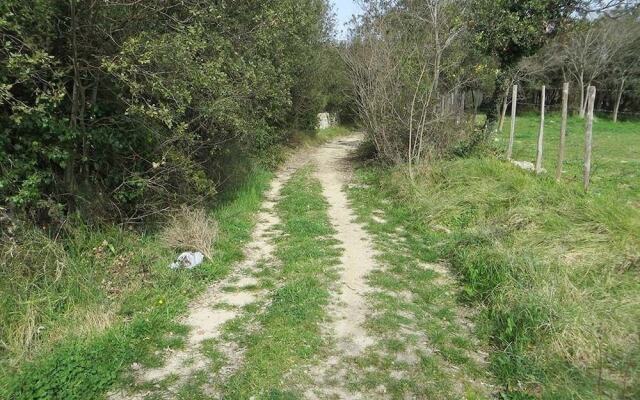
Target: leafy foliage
134,109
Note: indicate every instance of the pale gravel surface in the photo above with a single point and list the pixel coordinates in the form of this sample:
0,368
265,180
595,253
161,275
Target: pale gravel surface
348,310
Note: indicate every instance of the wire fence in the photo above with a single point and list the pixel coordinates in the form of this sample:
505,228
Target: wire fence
558,107
604,103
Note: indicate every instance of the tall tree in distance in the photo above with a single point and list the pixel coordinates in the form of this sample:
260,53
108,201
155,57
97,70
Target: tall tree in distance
509,30
625,64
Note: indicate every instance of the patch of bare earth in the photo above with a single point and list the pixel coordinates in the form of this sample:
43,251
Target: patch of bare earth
220,303
348,310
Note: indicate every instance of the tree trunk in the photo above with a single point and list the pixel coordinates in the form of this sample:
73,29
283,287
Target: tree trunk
70,181
563,129
540,133
514,102
582,95
504,110
588,136
491,108
94,94
475,106
618,99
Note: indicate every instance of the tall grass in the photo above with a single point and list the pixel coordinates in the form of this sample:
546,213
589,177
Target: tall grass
555,271
75,312
191,229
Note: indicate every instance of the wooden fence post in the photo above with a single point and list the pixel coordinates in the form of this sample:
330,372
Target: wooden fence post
563,129
504,110
514,101
456,107
540,133
588,135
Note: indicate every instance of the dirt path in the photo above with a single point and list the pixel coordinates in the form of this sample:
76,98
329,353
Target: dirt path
390,342
407,338
349,310
219,304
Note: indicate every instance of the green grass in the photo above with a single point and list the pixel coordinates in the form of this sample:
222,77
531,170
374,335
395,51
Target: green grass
552,270
105,271
289,334
615,158
416,312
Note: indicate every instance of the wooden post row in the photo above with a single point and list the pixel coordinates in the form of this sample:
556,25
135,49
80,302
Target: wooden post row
588,136
514,100
540,133
563,129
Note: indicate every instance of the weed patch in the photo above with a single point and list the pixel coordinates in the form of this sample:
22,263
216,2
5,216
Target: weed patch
191,230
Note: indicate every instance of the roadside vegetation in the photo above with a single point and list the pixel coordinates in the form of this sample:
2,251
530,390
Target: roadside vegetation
552,270
71,300
122,111
427,344
132,131
111,302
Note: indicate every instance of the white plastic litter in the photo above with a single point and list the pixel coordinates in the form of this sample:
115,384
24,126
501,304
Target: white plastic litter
187,260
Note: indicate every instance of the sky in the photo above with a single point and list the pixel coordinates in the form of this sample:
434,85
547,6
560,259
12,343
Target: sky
344,9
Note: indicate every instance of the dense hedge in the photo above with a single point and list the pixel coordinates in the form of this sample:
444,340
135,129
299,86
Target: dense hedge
121,109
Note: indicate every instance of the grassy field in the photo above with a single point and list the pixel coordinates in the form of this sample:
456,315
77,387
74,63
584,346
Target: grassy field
615,158
554,272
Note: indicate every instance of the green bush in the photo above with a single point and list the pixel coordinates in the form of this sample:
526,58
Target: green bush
136,109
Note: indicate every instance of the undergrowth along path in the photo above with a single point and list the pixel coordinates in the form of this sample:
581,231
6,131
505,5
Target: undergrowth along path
203,361
335,300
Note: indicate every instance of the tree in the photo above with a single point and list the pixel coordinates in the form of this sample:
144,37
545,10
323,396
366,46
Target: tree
512,29
587,53
625,64
128,108
411,67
